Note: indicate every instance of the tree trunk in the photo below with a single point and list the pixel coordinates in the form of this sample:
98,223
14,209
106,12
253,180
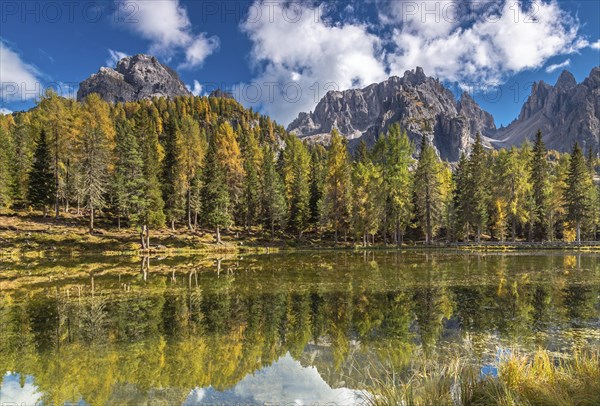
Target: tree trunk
478,239
143,237
173,225
218,235
189,208
336,236
514,230
92,219
119,221
148,238
364,239
578,233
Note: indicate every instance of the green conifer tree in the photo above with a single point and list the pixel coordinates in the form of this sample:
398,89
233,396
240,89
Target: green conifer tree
41,192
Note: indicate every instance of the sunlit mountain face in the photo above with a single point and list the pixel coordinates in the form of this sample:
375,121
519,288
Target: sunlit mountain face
287,328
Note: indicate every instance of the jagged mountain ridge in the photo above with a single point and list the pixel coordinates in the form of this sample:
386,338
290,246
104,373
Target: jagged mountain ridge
135,77
566,113
421,104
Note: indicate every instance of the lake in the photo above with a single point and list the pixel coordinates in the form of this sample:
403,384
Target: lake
284,328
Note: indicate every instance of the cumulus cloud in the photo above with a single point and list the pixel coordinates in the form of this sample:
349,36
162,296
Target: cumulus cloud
474,43
165,23
4,110
507,38
196,89
115,56
19,80
596,45
299,56
557,66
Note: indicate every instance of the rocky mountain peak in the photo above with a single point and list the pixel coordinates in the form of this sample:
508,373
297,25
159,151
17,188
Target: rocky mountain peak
135,77
420,104
566,112
565,81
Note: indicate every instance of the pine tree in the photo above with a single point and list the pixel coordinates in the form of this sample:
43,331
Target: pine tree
216,205
337,185
577,196
272,199
539,178
428,199
41,178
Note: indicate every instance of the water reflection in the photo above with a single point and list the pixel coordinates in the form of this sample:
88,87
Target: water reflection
284,382
275,328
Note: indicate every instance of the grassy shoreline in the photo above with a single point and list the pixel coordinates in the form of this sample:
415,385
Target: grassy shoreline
37,236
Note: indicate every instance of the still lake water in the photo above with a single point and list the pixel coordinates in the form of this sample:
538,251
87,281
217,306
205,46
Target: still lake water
304,328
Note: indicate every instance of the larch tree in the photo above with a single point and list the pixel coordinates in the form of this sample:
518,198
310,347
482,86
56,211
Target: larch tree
337,198
428,193
318,161
41,191
94,146
252,162
229,154
577,195
393,153
367,197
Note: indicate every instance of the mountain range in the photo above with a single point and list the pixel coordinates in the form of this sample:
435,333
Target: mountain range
566,112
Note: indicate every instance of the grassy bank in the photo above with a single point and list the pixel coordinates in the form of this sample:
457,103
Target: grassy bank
541,378
38,236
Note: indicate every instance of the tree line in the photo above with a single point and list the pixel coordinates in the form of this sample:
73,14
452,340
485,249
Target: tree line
209,163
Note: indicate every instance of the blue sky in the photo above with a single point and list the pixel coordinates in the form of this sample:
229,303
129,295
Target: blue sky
281,57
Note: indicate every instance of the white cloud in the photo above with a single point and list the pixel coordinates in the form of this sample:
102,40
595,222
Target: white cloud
19,80
115,56
557,66
473,43
199,50
299,55
595,45
496,44
196,90
165,23
4,110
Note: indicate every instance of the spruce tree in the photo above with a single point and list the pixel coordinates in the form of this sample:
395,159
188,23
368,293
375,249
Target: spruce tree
129,181
41,192
216,205
173,181
577,195
318,161
478,188
428,199
6,172
272,199
151,214
193,147
296,178
251,163
539,178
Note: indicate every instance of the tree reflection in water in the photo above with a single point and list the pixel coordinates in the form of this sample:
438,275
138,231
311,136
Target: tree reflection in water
227,330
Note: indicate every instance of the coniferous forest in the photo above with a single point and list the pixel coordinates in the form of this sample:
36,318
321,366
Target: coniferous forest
209,164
